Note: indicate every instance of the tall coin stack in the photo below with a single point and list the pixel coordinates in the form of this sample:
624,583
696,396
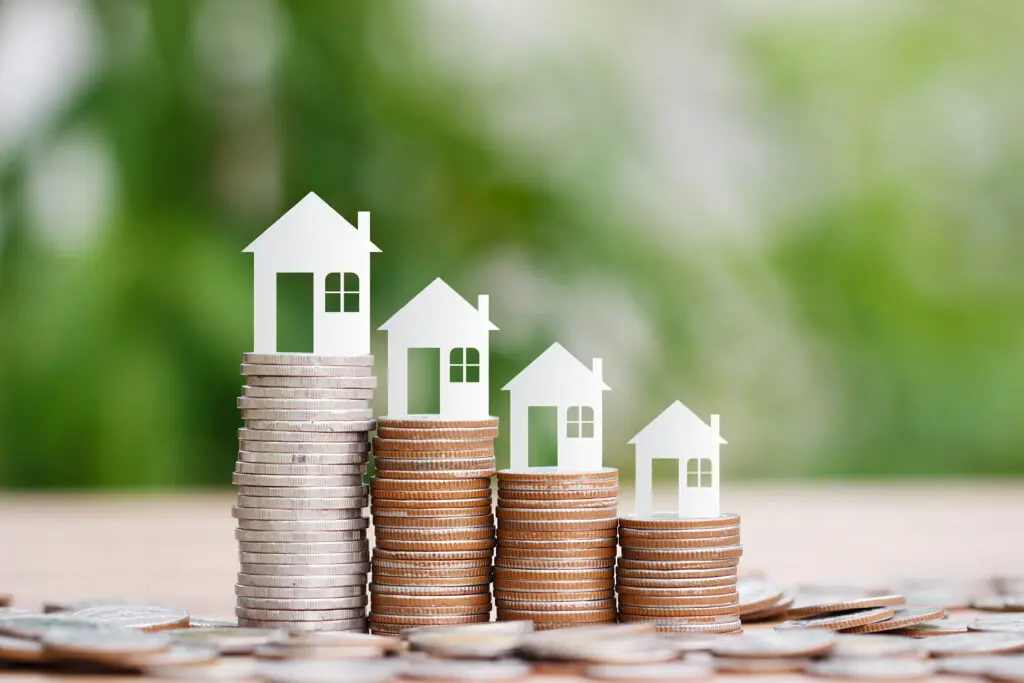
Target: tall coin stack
301,460
433,522
680,573
555,562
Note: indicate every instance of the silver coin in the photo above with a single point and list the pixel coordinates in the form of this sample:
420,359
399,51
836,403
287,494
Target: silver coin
289,570
786,644
247,403
229,669
234,641
358,624
309,581
53,606
247,536
369,671
308,482
348,557
353,462
760,665
144,617
872,669
307,394
980,665
327,424
325,548
33,626
999,603
303,504
300,593
300,615
974,644
353,444
875,646
306,359
260,370
275,470
669,671
311,382
359,490
461,670
246,434
837,620
470,641
101,643
346,524
300,604
263,513
1007,623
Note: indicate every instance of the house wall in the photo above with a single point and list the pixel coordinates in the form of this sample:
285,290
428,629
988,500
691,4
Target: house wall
581,454
700,503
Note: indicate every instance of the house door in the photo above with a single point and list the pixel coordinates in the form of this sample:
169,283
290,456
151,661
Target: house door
295,310
543,442
424,381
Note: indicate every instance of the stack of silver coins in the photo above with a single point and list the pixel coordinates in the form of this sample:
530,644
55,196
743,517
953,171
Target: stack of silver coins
680,574
301,525
556,546
433,522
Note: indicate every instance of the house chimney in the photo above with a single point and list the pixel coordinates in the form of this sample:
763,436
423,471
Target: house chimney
364,224
716,425
483,304
598,366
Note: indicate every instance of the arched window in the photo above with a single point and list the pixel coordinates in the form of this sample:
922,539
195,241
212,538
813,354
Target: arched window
579,422
464,365
342,295
698,473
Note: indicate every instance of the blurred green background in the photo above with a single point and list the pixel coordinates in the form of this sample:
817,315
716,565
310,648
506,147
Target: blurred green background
803,215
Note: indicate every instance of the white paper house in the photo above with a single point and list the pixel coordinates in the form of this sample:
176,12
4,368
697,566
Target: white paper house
679,434
439,318
556,378
312,238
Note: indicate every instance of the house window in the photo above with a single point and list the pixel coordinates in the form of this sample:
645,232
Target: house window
342,294
579,422
464,365
698,473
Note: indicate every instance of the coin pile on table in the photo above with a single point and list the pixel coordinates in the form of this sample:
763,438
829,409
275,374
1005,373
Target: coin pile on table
680,574
301,460
555,563
433,520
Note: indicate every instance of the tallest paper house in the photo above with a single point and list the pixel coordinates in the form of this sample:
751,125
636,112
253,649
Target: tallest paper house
312,239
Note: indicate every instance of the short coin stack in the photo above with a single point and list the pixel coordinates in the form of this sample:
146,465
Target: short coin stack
680,574
301,460
434,527
555,563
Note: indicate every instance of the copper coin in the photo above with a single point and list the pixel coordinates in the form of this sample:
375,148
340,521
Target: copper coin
557,543
565,616
431,581
434,422
604,536
627,592
509,597
464,454
700,625
686,612
454,511
420,503
775,611
561,496
545,553
552,564
700,532
556,515
628,582
944,627
444,445
437,433
838,621
382,483
436,546
670,521
557,474
428,601
382,554
678,543
400,611
560,587
825,604
418,564
576,504
903,618
561,605
385,465
458,534
560,527
676,570
635,600
558,490
382,495
543,575
448,521
727,552
438,591
438,620
410,475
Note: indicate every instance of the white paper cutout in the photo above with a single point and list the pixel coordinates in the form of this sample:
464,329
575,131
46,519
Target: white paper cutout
313,238
439,318
556,378
679,434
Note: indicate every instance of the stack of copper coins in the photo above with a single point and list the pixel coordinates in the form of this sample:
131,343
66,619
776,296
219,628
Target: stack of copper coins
432,505
556,546
301,527
680,573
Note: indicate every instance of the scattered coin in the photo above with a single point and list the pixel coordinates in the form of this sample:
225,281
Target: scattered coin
965,644
783,644
228,640
875,646
999,603
902,618
1007,623
108,644
979,665
456,670
944,627
759,665
671,671
228,669
811,605
21,650
872,669
838,621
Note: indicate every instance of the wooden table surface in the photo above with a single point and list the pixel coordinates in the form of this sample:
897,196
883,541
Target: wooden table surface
178,549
